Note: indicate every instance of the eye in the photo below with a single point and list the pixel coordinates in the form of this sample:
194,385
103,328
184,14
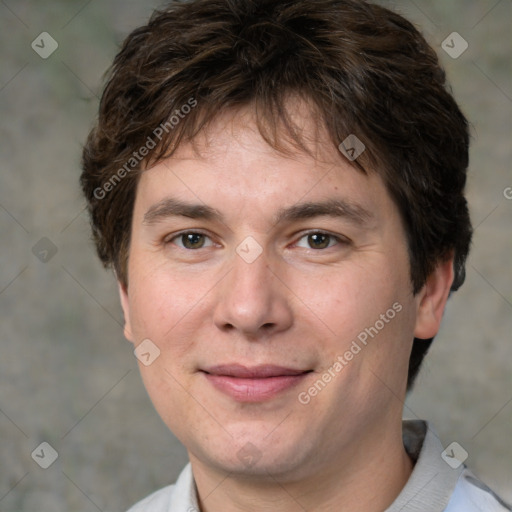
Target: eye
320,240
189,240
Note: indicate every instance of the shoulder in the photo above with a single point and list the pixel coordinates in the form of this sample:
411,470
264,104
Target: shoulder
472,495
159,501
436,485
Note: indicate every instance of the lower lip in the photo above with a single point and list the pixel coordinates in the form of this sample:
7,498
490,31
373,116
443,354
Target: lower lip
254,390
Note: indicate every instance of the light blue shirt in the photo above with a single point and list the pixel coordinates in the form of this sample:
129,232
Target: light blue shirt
434,485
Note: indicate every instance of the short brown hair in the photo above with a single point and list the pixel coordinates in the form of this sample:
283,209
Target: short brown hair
365,70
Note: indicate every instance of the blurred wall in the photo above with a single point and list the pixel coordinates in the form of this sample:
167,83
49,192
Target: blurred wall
67,376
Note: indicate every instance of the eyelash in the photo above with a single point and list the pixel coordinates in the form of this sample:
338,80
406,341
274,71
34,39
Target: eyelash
340,240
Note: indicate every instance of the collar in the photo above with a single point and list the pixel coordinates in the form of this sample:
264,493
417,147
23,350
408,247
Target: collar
432,480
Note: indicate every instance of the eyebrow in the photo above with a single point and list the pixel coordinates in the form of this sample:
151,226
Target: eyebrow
171,207
338,208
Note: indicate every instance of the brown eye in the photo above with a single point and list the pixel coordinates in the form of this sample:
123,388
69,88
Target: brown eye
319,240
189,240
192,240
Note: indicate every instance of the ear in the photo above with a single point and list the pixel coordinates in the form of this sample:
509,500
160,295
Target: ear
125,304
432,300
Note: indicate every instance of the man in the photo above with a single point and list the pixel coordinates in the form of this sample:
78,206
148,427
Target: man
279,187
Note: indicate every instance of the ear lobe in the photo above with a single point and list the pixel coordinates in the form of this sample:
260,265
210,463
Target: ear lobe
125,304
432,300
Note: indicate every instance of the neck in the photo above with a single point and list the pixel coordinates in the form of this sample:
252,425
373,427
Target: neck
366,477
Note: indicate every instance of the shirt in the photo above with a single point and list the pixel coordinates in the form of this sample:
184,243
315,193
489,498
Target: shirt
439,482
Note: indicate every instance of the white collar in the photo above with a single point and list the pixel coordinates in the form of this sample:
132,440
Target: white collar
432,480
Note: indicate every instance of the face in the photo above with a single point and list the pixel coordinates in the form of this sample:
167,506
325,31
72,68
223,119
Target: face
277,291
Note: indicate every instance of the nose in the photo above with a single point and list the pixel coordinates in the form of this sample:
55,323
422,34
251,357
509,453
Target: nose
253,299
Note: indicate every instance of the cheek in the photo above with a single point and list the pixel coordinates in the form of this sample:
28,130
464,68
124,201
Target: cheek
157,300
347,300
169,310
151,308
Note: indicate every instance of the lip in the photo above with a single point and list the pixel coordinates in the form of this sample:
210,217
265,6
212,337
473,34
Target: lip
253,384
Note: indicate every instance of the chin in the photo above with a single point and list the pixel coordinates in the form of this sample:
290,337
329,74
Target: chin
268,459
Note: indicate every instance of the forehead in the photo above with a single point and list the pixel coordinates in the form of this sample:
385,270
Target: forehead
230,163
298,129
254,132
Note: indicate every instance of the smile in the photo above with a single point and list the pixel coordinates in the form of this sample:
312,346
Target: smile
255,384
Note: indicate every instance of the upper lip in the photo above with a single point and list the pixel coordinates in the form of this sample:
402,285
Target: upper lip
253,372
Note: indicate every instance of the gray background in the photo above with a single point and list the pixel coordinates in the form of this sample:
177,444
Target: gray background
69,378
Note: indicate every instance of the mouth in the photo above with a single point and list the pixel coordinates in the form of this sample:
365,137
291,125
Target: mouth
253,384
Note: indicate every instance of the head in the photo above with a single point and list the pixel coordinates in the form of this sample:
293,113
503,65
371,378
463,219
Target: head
247,109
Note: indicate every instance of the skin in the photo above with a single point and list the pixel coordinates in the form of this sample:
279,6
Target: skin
296,306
